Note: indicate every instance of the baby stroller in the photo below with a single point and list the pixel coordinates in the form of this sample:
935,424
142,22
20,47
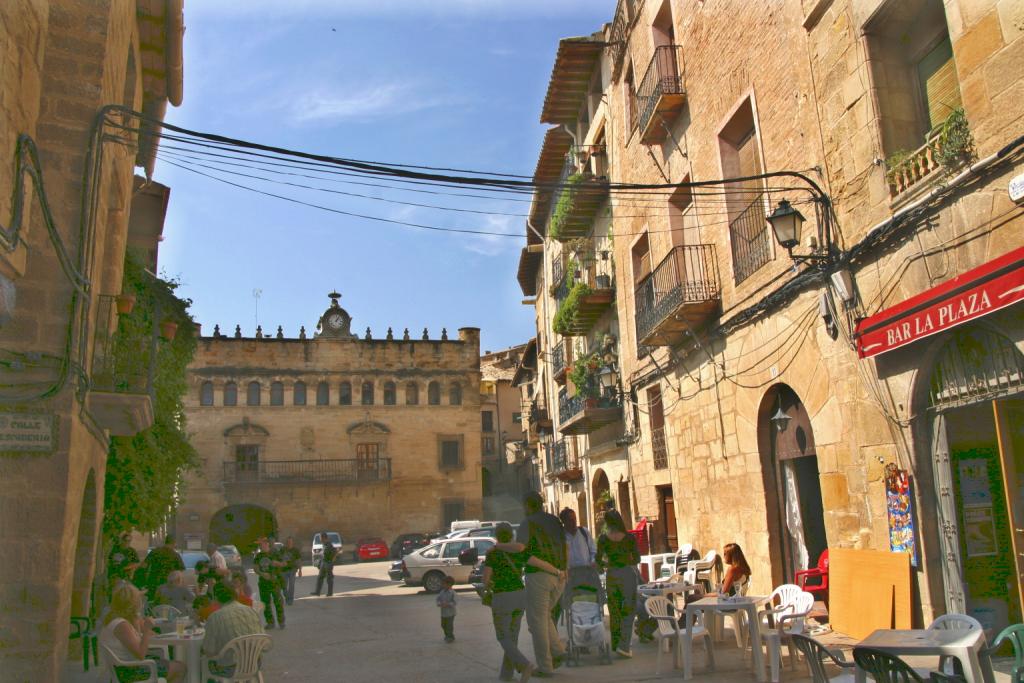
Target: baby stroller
584,619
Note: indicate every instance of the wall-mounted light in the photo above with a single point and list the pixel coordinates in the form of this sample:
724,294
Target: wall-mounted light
780,419
787,223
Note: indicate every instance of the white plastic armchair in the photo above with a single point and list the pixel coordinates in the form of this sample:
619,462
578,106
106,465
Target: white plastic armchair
245,653
165,612
788,618
952,622
112,660
660,609
700,570
739,616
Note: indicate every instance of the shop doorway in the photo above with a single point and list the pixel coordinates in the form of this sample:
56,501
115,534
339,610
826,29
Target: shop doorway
669,537
796,520
976,405
602,497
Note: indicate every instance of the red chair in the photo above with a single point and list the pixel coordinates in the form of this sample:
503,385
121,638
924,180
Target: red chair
820,574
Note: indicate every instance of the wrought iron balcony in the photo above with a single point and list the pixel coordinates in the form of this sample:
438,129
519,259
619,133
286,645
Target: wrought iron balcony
565,463
580,193
559,367
120,396
659,448
661,95
346,471
625,14
751,243
582,415
682,293
590,295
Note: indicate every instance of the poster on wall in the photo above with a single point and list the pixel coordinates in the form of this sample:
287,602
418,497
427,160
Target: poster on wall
980,531
899,504
974,485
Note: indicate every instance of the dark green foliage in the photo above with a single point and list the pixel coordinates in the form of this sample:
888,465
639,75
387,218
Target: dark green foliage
563,209
567,311
584,375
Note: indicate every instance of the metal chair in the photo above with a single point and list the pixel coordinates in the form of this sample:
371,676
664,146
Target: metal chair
779,623
1013,634
84,628
887,668
114,662
815,654
246,653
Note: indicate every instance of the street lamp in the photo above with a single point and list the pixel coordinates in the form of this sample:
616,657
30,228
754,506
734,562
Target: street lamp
786,224
608,378
780,419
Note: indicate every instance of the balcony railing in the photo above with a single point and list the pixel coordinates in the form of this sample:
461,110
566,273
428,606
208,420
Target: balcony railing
680,294
661,93
581,191
582,415
565,463
915,167
348,471
558,362
659,448
625,14
751,243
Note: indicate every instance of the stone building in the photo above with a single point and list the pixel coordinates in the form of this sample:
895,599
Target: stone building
778,392
366,437
60,268
501,427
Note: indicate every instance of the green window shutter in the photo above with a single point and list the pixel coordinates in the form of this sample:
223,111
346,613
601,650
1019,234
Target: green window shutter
939,83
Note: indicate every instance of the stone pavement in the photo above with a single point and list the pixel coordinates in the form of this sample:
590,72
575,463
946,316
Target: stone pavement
374,630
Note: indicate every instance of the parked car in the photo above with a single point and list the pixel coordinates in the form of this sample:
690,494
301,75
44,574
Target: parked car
318,547
395,571
406,543
373,548
428,566
191,558
231,556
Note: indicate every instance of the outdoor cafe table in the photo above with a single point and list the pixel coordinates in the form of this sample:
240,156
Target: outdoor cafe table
717,603
187,649
666,589
650,560
962,644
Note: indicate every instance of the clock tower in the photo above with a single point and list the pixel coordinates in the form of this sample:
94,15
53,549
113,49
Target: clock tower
335,323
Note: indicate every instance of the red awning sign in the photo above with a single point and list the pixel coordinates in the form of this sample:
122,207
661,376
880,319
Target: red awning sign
980,291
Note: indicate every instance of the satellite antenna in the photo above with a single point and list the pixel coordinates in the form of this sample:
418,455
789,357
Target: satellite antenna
256,294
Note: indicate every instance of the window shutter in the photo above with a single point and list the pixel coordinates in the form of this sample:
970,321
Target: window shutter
939,83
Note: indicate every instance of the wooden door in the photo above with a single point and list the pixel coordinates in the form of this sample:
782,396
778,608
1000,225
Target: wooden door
668,516
1009,415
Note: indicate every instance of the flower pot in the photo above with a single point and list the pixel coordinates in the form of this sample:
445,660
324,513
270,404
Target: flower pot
168,329
125,303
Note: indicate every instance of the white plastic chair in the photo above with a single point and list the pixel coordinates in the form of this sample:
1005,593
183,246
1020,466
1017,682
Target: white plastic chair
112,660
660,609
678,560
166,612
793,608
739,616
245,653
700,570
952,622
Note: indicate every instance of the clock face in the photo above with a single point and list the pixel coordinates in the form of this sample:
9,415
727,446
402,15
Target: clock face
335,321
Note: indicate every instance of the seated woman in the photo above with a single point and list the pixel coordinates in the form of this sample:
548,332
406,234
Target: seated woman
127,634
737,573
243,591
204,606
175,593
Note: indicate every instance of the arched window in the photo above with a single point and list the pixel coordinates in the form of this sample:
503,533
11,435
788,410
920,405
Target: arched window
299,394
252,396
323,394
367,393
345,394
455,394
231,394
389,393
276,394
412,393
206,394
434,394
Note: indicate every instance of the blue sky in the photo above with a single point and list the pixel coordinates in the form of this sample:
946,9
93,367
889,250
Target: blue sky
454,83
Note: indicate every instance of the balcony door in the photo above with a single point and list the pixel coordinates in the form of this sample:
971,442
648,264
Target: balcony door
247,462
367,459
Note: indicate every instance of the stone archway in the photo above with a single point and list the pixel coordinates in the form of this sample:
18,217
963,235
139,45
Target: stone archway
85,548
601,496
241,526
789,467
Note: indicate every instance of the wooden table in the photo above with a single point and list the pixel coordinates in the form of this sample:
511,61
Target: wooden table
717,603
962,644
187,649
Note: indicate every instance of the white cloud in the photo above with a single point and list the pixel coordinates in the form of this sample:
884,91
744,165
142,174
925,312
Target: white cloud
492,245
341,103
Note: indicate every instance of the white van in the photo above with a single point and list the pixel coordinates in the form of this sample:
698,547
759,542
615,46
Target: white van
465,524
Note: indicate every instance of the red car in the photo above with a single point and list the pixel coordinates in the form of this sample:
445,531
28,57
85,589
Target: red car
371,549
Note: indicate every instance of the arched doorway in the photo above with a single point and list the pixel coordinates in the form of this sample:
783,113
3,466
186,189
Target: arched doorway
85,549
601,495
975,404
241,526
789,466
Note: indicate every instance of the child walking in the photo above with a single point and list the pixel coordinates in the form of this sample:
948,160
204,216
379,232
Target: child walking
446,601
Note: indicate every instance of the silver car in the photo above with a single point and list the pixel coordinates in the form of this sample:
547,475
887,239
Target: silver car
231,556
428,566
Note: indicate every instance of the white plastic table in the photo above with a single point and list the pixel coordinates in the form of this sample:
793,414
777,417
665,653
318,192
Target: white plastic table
650,560
717,603
667,589
188,650
962,644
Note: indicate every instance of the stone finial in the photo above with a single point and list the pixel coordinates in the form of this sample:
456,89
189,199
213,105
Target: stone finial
238,331
280,332
405,335
444,334
259,332
216,331
368,335
391,335
302,332
425,334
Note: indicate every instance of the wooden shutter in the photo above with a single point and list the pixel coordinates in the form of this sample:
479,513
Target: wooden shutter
939,83
949,538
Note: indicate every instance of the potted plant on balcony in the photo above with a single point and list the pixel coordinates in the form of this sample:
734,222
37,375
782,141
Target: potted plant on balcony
566,315
125,303
563,209
584,377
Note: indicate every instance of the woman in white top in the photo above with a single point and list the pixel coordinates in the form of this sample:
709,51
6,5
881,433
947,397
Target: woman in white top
127,634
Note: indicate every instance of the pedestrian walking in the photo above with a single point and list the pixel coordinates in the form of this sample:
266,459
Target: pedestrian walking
217,561
446,601
582,565
269,584
326,566
543,536
618,554
292,558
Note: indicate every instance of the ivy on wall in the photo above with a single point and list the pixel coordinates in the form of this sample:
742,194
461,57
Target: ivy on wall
563,319
563,209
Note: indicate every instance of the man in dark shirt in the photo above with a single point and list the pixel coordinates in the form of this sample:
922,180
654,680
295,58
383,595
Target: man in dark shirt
269,583
292,562
159,564
326,566
543,536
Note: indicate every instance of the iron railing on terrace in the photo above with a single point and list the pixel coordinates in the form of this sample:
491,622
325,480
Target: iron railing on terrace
563,457
625,14
751,243
558,358
689,274
571,406
561,279
664,76
659,448
117,366
346,471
